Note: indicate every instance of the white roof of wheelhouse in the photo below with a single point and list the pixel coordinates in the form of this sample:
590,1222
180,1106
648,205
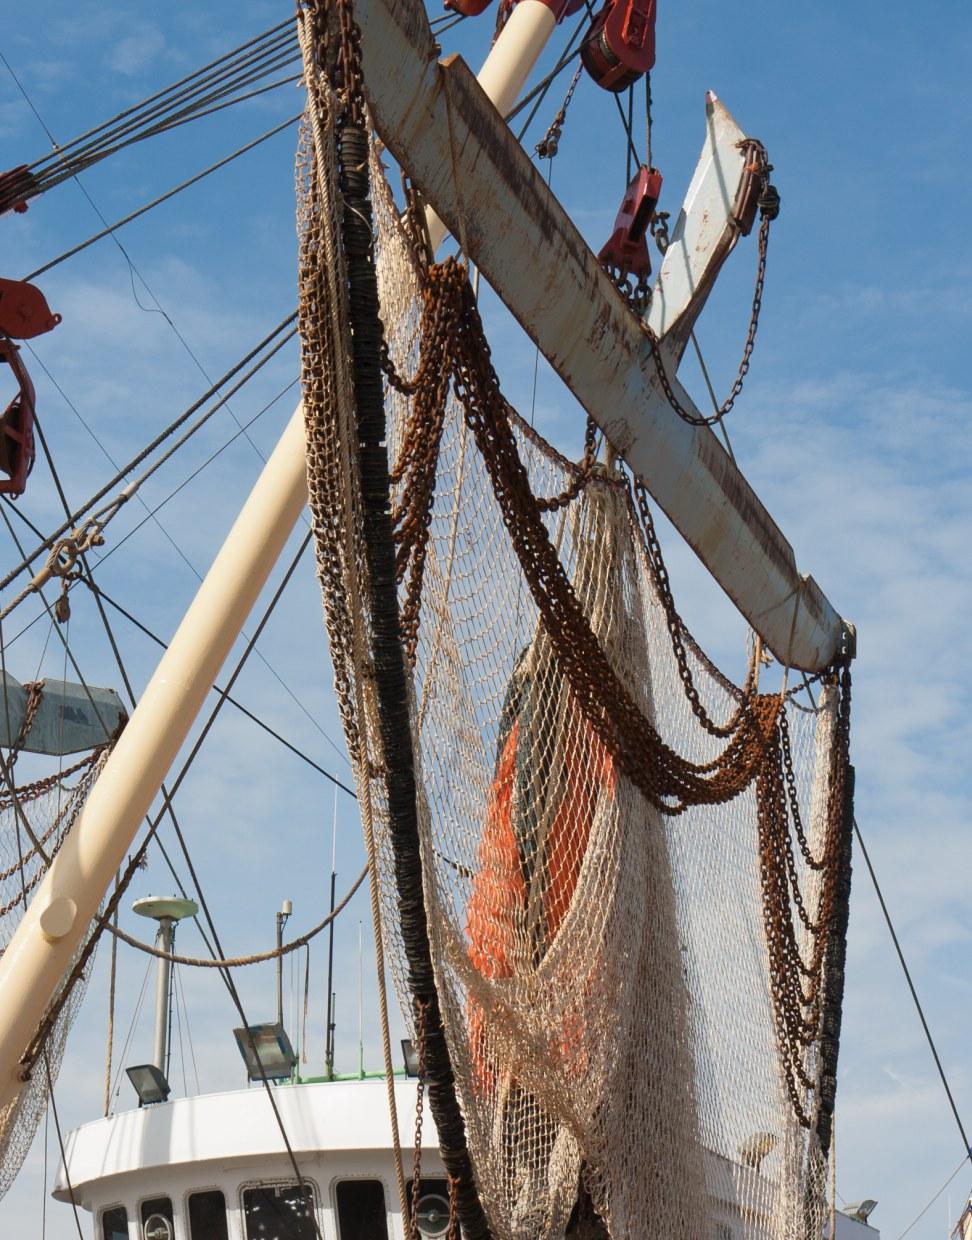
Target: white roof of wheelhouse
331,1116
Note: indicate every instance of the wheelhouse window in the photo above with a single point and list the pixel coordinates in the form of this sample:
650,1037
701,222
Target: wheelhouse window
114,1224
361,1210
157,1219
279,1212
207,1216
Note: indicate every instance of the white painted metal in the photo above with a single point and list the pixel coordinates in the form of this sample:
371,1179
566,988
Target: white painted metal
506,69
484,186
704,233
338,1130
70,717
167,911
240,1124
33,964
163,972
231,1141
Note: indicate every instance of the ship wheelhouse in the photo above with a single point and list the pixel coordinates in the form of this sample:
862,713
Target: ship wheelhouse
214,1167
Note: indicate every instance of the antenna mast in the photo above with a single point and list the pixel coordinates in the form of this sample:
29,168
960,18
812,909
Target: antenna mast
329,1020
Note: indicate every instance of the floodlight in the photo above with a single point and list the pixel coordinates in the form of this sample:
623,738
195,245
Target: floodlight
411,1057
149,1082
269,1046
862,1211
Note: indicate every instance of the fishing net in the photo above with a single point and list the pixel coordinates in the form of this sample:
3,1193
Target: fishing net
34,820
634,873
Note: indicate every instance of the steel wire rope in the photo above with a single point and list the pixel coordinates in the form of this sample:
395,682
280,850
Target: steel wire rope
116,1079
242,430
153,829
116,652
133,270
202,370
967,1157
152,513
60,1142
265,35
206,106
74,663
133,125
914,993
625,122
231,984
269,666
261,723
52,1104
543,86
921,1214
155,443
134,215
154,637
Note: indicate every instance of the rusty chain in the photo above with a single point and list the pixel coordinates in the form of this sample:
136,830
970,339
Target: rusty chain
768,205
757,751
421,1011
549,144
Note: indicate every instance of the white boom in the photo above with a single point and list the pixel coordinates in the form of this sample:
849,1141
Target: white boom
40,952
437,122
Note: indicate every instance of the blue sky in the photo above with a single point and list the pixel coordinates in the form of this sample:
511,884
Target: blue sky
853,428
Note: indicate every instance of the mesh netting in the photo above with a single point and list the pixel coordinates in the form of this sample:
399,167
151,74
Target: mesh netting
48,809
640,992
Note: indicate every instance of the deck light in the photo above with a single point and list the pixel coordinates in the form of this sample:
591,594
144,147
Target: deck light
149,1082
862,1211
411,1057
272,1045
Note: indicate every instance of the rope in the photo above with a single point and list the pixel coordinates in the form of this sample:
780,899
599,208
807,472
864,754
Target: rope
239,962
110,1034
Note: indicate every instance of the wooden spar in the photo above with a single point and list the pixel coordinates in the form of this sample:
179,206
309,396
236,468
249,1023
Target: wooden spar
441,127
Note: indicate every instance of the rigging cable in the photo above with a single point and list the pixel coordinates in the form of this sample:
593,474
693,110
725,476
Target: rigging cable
60,1142
918,1217
157,442
152,514
539,91
188,99
234,702
967,1157
166,800
134,215
133,270
914,994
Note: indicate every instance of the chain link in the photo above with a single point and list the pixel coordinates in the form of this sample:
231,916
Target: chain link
421,1011
768,204
757,751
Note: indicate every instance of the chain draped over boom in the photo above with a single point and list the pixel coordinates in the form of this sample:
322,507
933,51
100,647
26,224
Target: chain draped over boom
614,884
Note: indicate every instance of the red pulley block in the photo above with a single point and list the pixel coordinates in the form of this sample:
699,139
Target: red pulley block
16,426
626,253
468,8
24,312
619,48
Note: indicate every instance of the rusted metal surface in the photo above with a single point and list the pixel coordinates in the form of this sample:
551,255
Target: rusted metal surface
436,120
